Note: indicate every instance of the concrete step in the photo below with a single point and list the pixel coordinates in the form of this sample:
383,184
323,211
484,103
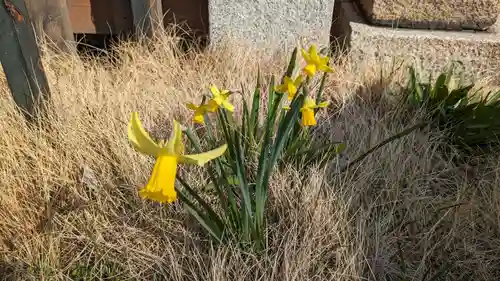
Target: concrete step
432,14
430,51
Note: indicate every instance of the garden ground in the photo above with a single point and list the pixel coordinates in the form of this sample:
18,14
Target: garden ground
70,209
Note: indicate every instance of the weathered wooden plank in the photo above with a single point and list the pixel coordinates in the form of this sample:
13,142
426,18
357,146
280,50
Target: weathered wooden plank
20,57
147,16
80,14
123,18
100,17
51,18
190,15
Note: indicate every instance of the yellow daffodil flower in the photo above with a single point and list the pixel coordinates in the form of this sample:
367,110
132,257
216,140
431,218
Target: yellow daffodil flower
289,86
219,100
199,112
307,110
160,187
315,62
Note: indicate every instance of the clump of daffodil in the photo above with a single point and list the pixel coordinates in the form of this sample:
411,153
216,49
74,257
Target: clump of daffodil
220,99
307,110
315,62
169,154
290,86
199,112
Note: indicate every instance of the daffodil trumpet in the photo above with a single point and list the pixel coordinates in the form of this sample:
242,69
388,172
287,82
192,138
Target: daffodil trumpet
307,110
168,154
199,112
290,86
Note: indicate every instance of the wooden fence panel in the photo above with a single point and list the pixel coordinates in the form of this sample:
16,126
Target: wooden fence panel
190,15
20,57
147,15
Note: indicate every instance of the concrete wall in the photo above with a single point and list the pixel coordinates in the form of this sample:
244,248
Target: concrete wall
271,22
429,32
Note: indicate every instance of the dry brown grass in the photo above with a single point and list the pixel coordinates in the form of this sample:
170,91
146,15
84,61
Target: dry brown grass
69,192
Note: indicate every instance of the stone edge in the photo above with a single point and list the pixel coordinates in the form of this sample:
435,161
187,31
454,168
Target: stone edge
485,25
346,12
350,28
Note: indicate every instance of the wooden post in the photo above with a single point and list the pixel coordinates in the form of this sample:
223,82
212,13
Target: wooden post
51,17
20,57
148,16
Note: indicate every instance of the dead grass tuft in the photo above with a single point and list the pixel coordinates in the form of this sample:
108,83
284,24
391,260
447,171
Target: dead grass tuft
70,209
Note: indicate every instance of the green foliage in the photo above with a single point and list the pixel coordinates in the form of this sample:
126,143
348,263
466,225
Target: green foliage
256,148
470,117
96,271
267,135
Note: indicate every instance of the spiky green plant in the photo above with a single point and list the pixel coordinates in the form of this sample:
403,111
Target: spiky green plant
470,117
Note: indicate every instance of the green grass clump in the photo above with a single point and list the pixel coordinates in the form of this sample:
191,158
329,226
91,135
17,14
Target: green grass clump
470,118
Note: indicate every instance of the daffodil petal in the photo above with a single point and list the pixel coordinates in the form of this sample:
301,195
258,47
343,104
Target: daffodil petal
322,104
280,88
313,53
191,106
161,184
306,56
202,158
215,91
140,139
212,106
174,145
325,68
298,80
199,118
310,70
227,105
292,90
309,102
219,99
